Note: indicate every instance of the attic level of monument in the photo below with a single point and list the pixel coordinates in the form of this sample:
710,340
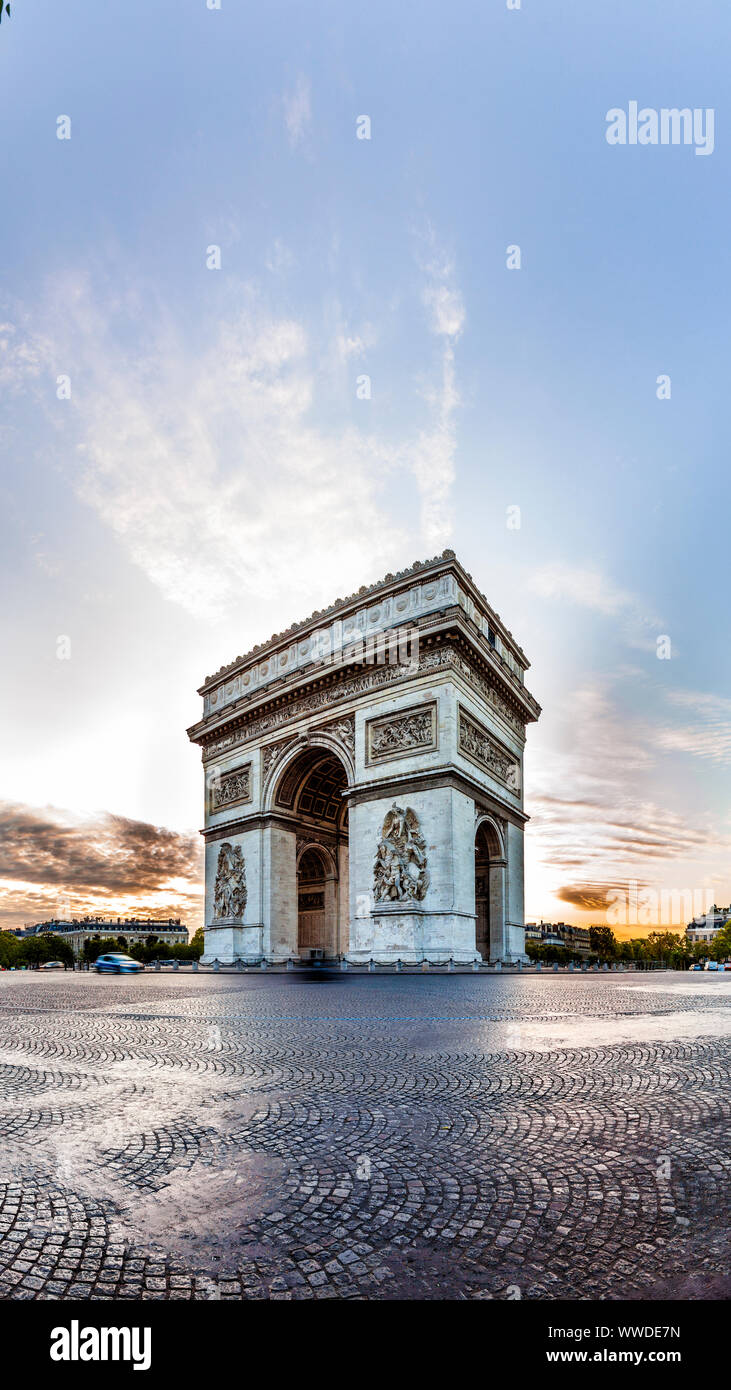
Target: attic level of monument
370,807
435,608
349,613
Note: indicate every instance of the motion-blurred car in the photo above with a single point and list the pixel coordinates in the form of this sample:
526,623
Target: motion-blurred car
696,967
52,965
116,963
711,965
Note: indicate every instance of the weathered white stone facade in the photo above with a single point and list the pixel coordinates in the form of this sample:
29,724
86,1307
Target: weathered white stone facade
364,781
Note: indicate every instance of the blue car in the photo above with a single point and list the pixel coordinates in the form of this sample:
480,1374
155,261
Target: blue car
116,963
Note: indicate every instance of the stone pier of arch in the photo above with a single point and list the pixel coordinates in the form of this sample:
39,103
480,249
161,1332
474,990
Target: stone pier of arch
363,782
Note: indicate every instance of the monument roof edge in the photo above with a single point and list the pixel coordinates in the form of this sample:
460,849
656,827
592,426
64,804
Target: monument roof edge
447,559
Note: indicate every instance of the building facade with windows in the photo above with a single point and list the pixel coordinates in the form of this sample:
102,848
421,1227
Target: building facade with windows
559,934
707,927
78,931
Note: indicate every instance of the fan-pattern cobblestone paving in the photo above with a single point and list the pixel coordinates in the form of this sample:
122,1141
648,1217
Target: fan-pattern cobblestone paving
276,1137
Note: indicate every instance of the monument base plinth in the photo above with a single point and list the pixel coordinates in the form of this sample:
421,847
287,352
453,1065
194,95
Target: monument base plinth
406,931
228,940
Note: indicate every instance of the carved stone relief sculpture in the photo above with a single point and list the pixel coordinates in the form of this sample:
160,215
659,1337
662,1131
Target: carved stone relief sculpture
231,787
229,894
412,730
400,873
478,745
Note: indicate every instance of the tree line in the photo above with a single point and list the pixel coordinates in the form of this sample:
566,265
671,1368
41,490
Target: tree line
32,951
665,948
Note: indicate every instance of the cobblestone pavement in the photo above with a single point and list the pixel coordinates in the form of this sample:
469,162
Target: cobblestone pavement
258,1136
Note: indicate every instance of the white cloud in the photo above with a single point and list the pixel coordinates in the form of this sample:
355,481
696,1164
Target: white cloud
215,478
446,309
434,457
588,588
708,736
209,463
595,816
298,110
23,356
347,345
279,258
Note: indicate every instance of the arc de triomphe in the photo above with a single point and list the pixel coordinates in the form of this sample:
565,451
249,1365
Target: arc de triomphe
363,781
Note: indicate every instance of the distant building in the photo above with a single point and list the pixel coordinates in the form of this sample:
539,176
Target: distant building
559,934
707,927
133,929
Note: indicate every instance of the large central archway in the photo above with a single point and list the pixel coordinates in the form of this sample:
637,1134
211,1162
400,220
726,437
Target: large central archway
308,803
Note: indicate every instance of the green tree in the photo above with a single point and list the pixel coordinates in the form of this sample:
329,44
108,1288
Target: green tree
720,947
197,943
98,946
34,950
9,949
59,949
603,942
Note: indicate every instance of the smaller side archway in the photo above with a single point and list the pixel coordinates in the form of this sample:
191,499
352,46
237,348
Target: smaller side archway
490,873
317,903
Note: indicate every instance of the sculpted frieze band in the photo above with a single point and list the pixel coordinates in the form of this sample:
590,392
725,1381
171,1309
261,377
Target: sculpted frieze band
375,679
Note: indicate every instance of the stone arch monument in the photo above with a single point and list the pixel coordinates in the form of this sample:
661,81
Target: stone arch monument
364,781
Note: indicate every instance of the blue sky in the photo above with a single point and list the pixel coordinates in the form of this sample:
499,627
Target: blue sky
214,476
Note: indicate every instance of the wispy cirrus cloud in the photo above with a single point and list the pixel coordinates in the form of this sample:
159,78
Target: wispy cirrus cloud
434,456
607,818
707,731
211,466
590,588
24,355
586,587
297,105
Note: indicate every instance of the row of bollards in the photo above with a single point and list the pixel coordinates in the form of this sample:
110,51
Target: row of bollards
425,965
